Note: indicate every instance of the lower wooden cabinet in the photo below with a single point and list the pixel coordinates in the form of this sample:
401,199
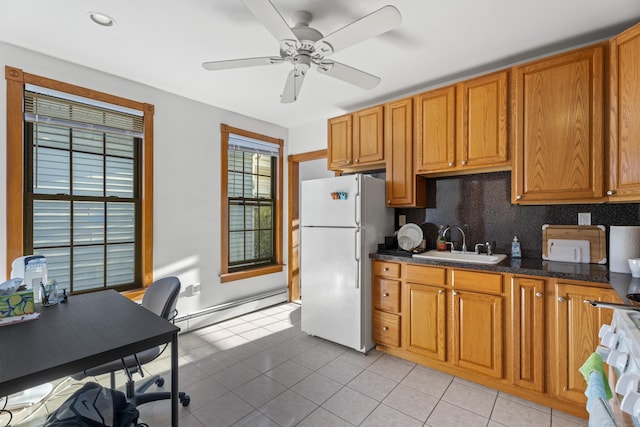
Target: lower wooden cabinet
528,332
386,328
385,299
477,332
576,335
425,328
524,335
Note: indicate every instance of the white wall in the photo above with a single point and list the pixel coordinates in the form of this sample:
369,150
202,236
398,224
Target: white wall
186,179
308,137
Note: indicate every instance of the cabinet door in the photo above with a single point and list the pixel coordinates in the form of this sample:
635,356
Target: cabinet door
368,136
528,333
477,332
425,322
576,333
339,144
482,121
435,130
404,189
624,113
558,125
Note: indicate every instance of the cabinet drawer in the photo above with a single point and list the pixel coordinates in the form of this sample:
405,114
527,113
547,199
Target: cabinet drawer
480,282
386,328
386,269
386,295
426,275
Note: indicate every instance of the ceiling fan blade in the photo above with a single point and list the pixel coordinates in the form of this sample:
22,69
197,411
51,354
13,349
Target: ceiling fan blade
271,19
292,86
348,74
378,22
241,63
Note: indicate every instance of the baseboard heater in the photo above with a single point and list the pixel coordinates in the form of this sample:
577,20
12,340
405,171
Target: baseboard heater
229,310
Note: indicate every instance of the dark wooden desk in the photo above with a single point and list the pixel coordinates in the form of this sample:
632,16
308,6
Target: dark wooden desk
84,332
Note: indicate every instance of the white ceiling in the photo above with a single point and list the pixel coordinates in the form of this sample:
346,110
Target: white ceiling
163,43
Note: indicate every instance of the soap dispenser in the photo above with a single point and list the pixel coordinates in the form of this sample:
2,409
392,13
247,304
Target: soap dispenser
515,248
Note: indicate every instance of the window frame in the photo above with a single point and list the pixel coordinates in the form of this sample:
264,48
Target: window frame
225,274
16,80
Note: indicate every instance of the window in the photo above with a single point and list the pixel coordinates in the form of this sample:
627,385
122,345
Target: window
86,169
251,204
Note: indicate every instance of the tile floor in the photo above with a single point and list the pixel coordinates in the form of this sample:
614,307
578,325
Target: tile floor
261,370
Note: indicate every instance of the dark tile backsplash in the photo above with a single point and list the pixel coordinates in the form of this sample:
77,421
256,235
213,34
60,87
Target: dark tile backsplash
481,205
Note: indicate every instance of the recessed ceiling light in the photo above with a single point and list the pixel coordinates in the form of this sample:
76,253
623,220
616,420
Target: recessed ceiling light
102,19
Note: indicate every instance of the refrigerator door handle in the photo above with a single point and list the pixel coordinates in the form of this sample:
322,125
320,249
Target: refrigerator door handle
357,257
358,207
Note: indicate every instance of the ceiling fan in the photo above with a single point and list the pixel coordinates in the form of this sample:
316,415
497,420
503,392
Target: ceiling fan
302,45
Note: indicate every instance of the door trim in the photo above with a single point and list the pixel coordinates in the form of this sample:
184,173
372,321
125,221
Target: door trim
293,191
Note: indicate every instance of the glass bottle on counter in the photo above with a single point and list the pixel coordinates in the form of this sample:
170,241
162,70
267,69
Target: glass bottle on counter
441,243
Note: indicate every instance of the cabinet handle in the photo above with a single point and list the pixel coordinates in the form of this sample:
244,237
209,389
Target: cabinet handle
454,293
357,160
386,294
450,164
388,202
348,162
441,291
464,162
561,299
518,197
611,192
539,294
385,328
385,269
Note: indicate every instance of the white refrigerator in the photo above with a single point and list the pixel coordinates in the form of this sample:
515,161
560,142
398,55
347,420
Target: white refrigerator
342,220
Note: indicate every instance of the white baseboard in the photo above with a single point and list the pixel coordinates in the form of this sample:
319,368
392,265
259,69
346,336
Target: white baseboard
222,312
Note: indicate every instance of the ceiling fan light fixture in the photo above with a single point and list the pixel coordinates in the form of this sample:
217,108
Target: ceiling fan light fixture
102,19
302,46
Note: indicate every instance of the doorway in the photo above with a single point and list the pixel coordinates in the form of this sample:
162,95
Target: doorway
300,166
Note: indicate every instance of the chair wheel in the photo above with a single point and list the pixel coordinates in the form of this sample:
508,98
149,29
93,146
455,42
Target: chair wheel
185,401
160,382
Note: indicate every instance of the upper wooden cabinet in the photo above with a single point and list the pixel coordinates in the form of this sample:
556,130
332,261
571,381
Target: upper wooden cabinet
356,140
464,126
435,130
624,131
483,104
340,141
404,188
557,125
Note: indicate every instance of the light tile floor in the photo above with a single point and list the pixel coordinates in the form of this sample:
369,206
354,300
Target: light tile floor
261,370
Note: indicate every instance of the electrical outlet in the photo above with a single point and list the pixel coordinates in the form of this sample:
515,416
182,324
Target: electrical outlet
402,220
196,289
584,218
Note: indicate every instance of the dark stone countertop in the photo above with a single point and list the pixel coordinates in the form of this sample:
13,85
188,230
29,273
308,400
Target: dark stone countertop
623,283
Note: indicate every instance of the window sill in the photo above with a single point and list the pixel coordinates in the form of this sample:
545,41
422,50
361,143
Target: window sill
134,294
245,274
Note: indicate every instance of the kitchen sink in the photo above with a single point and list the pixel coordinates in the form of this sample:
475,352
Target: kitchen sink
458,256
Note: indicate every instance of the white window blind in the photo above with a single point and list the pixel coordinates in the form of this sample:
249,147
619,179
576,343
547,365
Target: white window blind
45,108
240,143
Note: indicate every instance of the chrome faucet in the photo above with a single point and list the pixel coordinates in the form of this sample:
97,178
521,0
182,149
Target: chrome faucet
486,245
464,238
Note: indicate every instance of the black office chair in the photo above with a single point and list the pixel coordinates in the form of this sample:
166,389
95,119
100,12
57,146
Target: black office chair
160,298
